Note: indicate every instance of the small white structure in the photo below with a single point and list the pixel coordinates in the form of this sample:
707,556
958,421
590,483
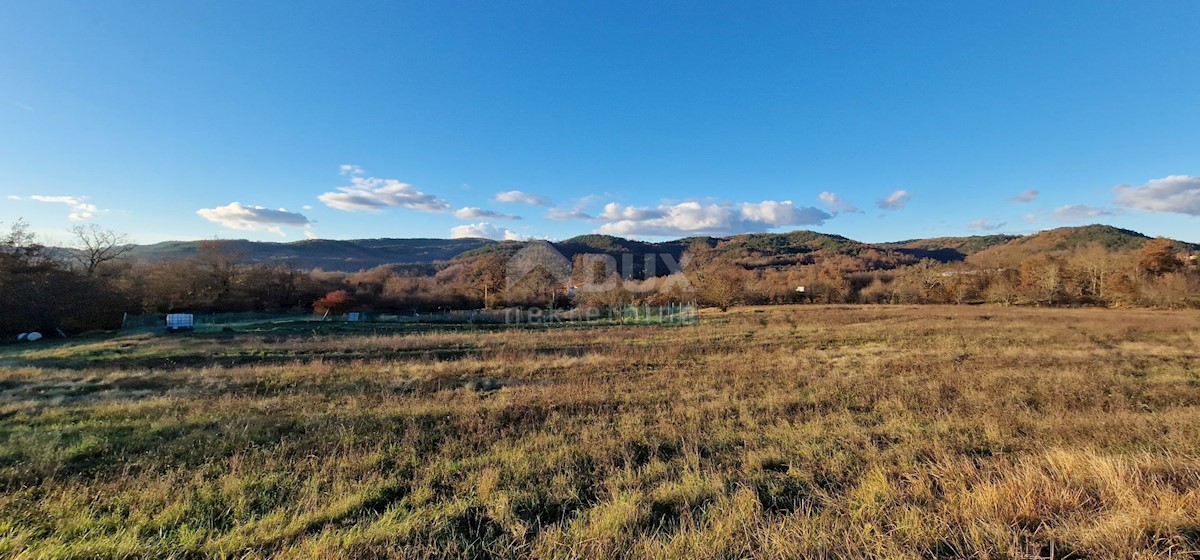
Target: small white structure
177,322
33,337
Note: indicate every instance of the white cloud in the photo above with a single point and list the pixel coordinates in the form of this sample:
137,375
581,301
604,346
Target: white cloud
485,230
520,197
1027,196
307,207
69,200
836,204
13,197
1179,194
81,210
982,224
895,201
472,213
577,211
695,218
253,218
784,213
373,194
615,212
588,199
1078,213
560,215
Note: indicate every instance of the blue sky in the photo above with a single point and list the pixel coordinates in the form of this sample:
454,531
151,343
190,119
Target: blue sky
650,120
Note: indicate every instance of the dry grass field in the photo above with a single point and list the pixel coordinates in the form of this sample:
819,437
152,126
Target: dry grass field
797,432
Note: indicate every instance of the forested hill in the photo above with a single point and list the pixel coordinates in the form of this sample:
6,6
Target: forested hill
750,250
327,254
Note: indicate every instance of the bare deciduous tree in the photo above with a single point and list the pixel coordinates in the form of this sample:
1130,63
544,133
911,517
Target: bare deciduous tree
722,285
487,276
95,246
1094,264
219,264
19,247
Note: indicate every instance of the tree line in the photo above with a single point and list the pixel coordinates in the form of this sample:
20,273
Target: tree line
91,285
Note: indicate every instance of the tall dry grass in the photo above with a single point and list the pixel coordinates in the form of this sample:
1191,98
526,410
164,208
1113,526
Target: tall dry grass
801,432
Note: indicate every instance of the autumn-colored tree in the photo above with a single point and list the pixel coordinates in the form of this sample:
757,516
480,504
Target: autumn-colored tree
698,256
338,301
486,277
1093,265
717,281
372,280
773,286
1158,257
916,283
538,287
594,272
878,291
964,286
721,285
1121,289
1042,279
832,284
1002,287
1172,290
598,283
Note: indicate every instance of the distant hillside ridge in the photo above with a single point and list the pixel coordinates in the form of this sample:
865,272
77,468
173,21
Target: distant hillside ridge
1068,238
751,250
334,255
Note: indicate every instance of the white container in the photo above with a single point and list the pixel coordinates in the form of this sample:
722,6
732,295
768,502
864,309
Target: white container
180,322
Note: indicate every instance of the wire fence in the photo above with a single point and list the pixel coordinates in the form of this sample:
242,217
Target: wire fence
670,314
151,320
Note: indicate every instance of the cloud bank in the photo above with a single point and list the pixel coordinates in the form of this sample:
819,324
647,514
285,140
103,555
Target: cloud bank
254,218
81,210
1179,194
1027,196
1078,213
562,214
521,197
372,194
472,213
615,212
982,224
836,204
895,201
485,230
696,218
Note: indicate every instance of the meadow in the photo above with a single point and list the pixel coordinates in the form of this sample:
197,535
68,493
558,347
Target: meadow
779,432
